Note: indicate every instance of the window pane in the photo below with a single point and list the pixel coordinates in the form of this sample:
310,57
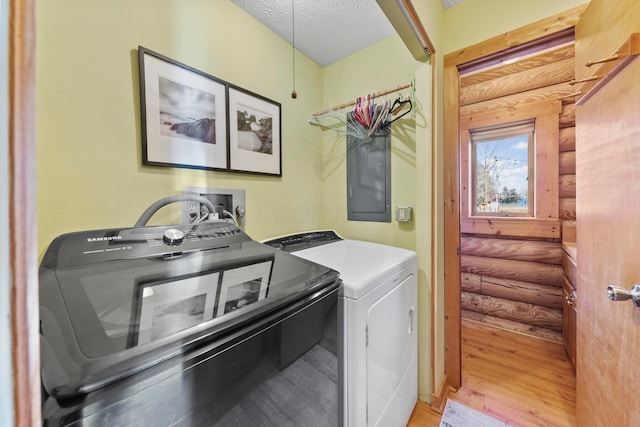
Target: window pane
501,172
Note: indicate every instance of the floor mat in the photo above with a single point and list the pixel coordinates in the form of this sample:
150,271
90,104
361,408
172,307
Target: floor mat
457,415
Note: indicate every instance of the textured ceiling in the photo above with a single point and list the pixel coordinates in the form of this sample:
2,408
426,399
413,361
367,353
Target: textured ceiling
326,30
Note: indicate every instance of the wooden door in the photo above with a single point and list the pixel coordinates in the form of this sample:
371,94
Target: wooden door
608,224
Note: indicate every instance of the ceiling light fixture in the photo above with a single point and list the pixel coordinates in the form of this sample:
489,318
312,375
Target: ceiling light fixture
294,95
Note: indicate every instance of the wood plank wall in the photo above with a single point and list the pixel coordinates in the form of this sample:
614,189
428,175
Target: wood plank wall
510,281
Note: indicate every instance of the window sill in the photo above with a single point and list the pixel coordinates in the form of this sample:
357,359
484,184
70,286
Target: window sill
511,226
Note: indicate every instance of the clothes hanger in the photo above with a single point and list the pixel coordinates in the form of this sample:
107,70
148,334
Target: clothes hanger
358,112
342,125
381,118
398,105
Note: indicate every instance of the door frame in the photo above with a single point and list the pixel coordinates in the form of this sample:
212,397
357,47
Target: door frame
23,251
452,62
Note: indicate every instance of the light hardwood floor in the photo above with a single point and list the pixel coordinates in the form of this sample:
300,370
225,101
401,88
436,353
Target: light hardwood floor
514,378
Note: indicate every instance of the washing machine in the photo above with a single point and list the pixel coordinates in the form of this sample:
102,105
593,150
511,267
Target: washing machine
378,301
190,325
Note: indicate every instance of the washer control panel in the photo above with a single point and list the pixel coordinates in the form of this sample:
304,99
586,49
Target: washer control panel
89,247
173,237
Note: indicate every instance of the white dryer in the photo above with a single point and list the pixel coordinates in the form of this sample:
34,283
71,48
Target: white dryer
379,305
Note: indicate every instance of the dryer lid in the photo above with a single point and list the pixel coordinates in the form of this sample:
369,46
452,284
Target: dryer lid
362,265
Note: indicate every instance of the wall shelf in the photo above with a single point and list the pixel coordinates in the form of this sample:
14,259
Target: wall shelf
609,67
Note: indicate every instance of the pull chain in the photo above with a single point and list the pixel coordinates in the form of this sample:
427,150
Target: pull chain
294,95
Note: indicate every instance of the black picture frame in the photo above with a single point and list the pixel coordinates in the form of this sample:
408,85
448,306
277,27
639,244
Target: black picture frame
255,133
191,119
183,114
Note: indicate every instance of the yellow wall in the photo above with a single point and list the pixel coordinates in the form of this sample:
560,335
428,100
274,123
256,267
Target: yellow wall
88,125
430,242
89,147
385,65
90,172
473,21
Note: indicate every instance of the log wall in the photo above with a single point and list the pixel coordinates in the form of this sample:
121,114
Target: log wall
567,160
512,275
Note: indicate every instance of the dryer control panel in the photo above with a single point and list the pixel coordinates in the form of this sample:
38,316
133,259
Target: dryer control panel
300,241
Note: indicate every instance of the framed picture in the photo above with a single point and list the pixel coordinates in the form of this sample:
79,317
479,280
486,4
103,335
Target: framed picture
170,307
244,285
254,133
183,114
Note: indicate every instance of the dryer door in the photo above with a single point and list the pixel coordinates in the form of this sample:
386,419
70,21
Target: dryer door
392,382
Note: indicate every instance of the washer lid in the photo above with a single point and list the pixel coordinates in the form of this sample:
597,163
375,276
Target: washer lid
117,301
362,265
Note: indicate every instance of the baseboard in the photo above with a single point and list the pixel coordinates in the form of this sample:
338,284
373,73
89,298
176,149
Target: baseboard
439,399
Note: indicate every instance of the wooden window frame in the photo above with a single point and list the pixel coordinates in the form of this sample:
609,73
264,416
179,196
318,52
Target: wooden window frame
546,116
509,130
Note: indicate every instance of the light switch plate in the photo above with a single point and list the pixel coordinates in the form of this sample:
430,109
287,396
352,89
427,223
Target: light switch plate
403,214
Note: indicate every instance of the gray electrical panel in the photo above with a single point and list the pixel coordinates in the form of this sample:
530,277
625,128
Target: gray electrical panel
369,176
